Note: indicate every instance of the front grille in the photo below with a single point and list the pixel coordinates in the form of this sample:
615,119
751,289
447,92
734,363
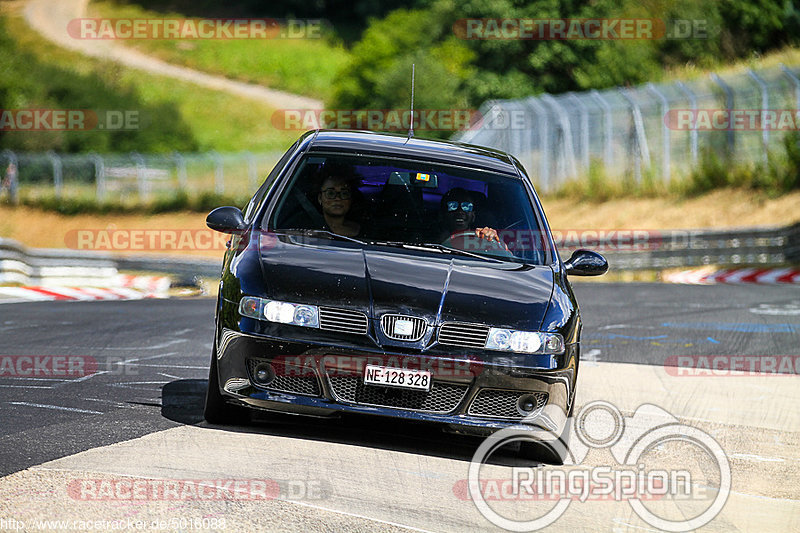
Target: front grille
418,326
307,384
497,403
342,320
442,398
462,334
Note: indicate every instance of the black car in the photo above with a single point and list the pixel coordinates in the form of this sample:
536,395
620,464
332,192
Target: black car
395,276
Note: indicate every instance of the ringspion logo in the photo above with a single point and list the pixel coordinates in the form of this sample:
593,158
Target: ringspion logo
698,486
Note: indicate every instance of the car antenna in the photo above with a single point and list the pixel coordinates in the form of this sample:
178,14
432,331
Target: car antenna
411,122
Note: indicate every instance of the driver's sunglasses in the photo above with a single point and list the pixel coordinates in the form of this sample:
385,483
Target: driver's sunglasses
330,194
465,206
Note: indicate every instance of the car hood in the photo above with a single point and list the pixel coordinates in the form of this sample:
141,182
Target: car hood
378,280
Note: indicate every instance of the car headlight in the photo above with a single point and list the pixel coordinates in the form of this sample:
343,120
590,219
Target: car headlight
281,312
510,340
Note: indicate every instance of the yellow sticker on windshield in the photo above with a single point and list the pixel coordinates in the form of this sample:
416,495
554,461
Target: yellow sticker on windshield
423,177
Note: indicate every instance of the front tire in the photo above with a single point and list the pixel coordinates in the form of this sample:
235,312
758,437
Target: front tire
217,410
554,453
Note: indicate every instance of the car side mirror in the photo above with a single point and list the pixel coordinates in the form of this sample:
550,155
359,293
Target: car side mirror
586,263
226,220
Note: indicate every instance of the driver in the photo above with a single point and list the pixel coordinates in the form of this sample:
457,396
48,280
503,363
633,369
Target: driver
457,209
335,197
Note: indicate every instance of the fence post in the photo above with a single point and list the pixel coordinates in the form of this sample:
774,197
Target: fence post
219,172
729,107
608,155
180,169
11,179
99,176
693,131
486,115
796,83
544,144
642,152
764,111
251,170
665,133
584,130
567,164
141,179
55,160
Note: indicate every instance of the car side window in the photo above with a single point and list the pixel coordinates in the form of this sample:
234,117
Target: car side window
258,197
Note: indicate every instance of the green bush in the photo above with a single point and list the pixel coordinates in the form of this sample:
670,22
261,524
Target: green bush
29,83
512,68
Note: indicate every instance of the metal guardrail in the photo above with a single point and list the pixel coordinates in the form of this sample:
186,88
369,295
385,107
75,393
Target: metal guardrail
19,264
178,266
767,247
34,266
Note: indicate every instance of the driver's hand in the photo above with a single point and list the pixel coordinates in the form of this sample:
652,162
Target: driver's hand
490,234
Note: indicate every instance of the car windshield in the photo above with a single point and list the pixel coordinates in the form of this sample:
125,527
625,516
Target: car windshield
375,201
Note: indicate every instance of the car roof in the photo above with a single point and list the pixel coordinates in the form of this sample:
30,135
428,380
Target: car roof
398,145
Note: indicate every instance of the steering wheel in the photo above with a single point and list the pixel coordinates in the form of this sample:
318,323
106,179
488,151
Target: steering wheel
467,240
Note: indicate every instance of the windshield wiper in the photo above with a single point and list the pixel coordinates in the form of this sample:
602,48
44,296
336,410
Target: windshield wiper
320,233
451,250
434,246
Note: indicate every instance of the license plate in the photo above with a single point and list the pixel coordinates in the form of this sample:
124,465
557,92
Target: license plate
397,377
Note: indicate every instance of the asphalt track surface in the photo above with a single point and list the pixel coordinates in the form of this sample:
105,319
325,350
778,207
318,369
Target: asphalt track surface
153,358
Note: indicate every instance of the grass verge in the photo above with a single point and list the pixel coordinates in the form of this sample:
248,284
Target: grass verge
304,66
780,174
214,120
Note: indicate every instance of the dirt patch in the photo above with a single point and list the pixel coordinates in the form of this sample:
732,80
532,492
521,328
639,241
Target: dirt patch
719,209
45,229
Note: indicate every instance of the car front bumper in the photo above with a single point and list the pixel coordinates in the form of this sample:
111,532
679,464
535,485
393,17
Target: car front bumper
467,396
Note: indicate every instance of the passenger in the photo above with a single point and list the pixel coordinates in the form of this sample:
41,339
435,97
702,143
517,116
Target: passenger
457,208
335,197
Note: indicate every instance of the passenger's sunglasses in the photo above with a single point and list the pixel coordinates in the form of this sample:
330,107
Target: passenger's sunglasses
465,206
330,194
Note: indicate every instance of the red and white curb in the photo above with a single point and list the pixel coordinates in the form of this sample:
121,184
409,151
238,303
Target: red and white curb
129,288
711,275
150,284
